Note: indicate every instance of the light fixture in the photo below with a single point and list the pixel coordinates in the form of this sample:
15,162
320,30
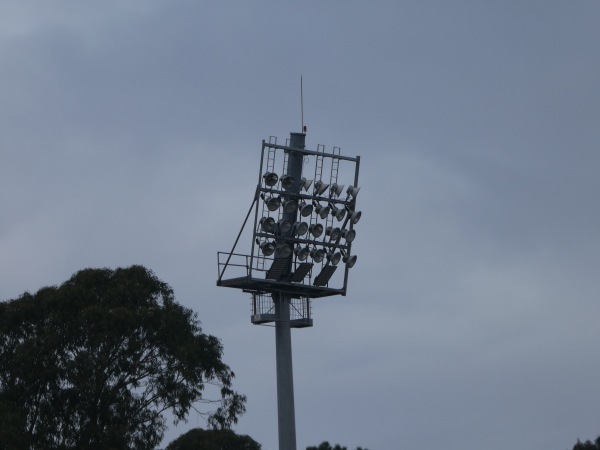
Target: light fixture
284,226
317,255
334,258
305,183
284,250
320,187
300,228
349,235
333,233
350,260
302,253
305,209
336,190
352,191
287,181
290,206
322,211
316,230
270,178
268,248
338,213
273,203
267,224
355,217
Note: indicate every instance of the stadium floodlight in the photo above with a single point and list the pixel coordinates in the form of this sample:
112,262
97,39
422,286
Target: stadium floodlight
316,229
317,255
306,209
270,178
284,250
338,213
273,203
336,190
302,253
349,235
334,257
268,248
352,191
287,181
320,187
284,226
333,233
355,217
349,260
300,228
305,184
290,206
267,224
322,211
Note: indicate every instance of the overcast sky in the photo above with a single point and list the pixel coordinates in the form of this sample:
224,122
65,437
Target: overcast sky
130,133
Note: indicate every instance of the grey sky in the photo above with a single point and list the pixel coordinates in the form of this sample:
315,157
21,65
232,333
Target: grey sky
130,134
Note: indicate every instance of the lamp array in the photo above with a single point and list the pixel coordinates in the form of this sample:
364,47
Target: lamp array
287,237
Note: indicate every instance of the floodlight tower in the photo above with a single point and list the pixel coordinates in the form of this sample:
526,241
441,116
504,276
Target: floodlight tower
291,225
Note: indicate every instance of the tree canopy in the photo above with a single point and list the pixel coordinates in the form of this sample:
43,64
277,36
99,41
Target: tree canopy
98,360
587,445
327,446
199,439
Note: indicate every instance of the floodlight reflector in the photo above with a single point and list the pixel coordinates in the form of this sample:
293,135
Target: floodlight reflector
352,191
300,228
334,258
287,181
302,253
322,211
273,203
305,209
267,224
284,250
268,248
290,206
338,213
316,229
333,233
336,189
355,217
350,260
305,183
270,178
317,255
284,226
320,187
349,235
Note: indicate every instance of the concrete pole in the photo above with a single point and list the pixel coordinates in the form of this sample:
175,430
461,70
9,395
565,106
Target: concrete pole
286,415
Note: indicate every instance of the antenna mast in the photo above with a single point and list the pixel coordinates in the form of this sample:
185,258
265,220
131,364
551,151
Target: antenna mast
302,106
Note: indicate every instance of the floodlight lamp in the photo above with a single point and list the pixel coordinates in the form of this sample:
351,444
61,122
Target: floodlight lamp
316,230
322,211
302,253
333,233
305,209
268,248
338,213
284,250
267,224
273,203
334,258
305,183
284,226
352,191
300,228
290,206
270,178
350,260
320,187
355,217
287,181
317,255
349,235
336,189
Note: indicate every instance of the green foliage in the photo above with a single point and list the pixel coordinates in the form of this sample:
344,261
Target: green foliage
95,362
587,445
199,439
327,446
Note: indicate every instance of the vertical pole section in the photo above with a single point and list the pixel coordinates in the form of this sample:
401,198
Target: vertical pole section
285,375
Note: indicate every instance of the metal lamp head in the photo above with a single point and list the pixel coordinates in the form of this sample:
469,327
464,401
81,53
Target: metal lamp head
338,213
305,209
273,203
267,224
320,187
336,190
305,183
290,206
284,226
352,191
316,229
287,181
333,233
350,260
322,211
284,250
349,235
317,255
355,217
270,178
302,253
268,248
334,258
300,228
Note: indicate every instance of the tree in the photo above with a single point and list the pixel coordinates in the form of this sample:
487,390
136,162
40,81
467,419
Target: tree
587,445
199,439
95,362
327,446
